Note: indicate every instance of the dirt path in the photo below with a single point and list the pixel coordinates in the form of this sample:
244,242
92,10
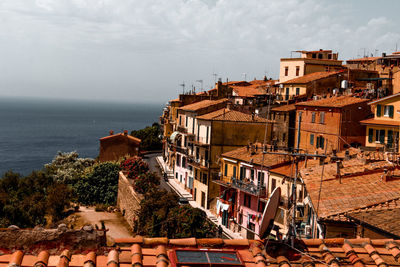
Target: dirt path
117,226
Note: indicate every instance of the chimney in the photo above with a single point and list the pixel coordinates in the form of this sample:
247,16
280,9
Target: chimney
125,132
383,54
111,132
338,171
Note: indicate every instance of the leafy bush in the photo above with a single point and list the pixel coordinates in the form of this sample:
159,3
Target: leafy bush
146,182
27,201
68,167
99,186
150,137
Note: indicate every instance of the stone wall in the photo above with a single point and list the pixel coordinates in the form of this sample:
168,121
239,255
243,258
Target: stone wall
128,200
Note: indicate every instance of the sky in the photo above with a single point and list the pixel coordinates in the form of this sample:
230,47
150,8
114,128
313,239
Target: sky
141,51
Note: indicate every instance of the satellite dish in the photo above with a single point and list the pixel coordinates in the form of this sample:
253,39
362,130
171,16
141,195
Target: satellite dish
269,214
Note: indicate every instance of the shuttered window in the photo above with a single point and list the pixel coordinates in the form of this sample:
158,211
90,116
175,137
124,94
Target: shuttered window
391,111
390,138
370,135
378,110
312,139
313,117
322,117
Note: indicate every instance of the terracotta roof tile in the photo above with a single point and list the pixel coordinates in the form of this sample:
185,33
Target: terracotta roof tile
380,122
311,77
231,115
317,252
335,101
248,91
118,135
284,108
202,104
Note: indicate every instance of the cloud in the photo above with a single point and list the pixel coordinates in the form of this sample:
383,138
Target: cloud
146,48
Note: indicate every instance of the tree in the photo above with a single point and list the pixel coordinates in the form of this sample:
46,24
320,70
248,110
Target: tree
150,137
99,186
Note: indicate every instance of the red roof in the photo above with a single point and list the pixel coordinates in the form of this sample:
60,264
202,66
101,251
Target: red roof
335,101
119,135
231,115
311,77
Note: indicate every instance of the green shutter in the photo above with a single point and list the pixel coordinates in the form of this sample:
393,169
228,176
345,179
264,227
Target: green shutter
378,110
382,136
322,142
370,135
391,111
312,139
390,138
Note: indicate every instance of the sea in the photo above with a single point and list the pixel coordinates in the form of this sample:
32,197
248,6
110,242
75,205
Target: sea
33,131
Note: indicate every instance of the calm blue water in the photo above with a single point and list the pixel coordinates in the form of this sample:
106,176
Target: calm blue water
32,131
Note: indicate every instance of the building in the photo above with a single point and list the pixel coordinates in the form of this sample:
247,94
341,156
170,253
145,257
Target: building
331,123
284,119
368,185
382,131
116,146
216,133
309,85
388,68
184,131
308,62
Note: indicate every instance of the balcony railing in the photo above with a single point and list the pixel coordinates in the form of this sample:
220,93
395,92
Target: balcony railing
181,129
179,149
248,187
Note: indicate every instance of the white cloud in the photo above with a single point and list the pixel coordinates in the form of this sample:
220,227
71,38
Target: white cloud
90,46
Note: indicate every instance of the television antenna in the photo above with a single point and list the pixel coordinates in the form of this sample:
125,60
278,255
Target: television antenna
201,83
183,87
215,77
245,76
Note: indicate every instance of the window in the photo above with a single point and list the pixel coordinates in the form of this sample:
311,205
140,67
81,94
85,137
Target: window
186,121
242,173
370,135
320,142
313,117
390,138
178,160
322,117
380,136
297,91
226,169
247,200
234,171
204,181
261,206
261,177
286,71
378,110
312,139
326,69
252,174
207,258
195,194
180,120
176,175
388,111
284,137
329,56
184,162
297,70
314,55
273,184
185,141
207,130
319,56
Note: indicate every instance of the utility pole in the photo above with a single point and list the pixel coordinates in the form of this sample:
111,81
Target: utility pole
296,156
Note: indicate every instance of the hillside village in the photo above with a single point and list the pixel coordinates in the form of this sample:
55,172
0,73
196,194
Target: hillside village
325,135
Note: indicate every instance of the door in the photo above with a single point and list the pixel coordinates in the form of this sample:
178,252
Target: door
225,218
287,94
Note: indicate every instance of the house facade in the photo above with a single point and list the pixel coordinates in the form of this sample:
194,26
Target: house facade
331,123
284,119
382,131
308,62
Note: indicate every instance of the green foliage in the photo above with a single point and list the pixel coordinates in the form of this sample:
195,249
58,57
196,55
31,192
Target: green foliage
150,137
160,215
68,167
27,201
99,186
134,166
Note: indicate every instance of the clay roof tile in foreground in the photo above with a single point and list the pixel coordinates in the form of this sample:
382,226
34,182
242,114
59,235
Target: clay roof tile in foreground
335,101
231,115
134,252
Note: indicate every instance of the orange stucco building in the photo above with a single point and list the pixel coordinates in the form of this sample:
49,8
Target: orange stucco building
117,146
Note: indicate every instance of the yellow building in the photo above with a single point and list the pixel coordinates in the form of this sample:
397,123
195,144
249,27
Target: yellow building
308,62
383,130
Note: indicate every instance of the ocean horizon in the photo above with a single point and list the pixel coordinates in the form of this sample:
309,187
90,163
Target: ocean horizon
33,131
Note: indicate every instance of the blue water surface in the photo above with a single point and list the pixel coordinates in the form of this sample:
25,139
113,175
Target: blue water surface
32,131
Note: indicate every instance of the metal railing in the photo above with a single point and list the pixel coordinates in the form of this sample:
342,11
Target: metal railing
248,187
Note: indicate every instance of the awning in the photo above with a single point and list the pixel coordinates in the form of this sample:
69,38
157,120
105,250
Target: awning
174,135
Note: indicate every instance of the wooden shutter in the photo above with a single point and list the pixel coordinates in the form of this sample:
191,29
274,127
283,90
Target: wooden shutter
390,137
378,110
382,136
391,111
370,135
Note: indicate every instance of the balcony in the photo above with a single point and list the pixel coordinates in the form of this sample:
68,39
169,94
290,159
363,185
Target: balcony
198,163
179,149
199,141
181,129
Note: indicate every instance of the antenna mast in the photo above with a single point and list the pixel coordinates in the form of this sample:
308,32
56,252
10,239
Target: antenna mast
183,87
